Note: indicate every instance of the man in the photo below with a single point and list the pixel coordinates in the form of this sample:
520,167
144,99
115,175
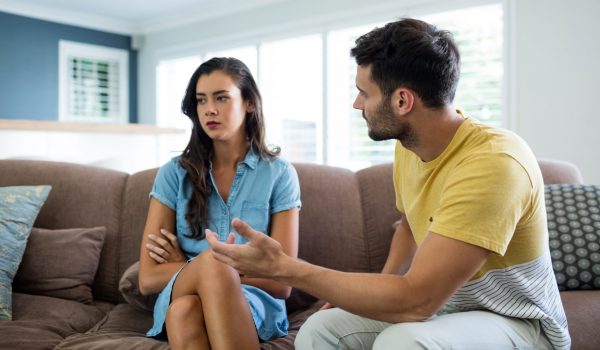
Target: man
469,264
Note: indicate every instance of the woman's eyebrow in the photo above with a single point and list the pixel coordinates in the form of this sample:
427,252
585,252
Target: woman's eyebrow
214,93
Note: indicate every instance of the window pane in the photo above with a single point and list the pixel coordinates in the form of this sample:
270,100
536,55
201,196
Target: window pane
478,34
349,144
291,82
246,54
172,77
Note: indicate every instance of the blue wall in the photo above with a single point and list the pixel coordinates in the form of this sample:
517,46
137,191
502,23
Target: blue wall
29,65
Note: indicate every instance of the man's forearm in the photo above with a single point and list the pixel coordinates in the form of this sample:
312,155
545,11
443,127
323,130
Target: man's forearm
376,296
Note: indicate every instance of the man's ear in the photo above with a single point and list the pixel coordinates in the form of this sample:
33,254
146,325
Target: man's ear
403,100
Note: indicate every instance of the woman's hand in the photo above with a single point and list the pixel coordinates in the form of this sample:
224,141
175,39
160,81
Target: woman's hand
165,248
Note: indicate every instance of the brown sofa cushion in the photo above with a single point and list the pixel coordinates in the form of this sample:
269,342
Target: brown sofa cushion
128,286
61,263
125,325
41,322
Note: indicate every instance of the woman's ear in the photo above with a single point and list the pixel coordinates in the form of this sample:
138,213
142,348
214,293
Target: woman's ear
403,100
249,107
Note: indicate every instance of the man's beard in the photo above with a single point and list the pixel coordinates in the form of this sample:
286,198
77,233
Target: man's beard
384,125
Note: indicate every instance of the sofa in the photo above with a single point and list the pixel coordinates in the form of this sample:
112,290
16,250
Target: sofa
345,224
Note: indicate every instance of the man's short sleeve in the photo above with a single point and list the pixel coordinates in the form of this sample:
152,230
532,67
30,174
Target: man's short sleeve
483,201
286,190
166,184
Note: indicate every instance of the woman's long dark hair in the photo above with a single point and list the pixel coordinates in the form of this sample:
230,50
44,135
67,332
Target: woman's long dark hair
197,155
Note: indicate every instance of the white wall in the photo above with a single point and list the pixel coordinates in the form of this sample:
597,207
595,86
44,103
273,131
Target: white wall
554,53
557,80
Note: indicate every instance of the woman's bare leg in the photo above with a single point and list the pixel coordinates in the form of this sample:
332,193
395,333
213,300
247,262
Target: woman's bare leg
227,315
185,324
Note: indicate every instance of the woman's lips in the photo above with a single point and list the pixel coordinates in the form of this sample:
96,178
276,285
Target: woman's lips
212,125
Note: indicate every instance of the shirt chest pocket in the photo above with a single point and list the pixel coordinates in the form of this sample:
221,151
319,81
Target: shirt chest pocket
256,215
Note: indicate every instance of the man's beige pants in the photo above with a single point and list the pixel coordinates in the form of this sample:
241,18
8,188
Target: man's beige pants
473,330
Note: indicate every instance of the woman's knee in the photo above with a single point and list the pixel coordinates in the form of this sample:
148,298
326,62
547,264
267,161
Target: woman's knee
184,309
212,271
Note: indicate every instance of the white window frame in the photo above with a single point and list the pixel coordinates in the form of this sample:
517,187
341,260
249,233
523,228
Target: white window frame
67,49
357,17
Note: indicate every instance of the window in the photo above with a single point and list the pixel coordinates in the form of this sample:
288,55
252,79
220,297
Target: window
478,33
246,54
291,82
93,83
172,77
349,144
294,78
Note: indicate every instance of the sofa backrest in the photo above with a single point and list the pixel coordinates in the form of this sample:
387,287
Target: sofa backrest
81,196
135,211
345,222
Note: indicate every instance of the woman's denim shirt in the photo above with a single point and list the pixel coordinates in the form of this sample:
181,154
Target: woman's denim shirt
260,188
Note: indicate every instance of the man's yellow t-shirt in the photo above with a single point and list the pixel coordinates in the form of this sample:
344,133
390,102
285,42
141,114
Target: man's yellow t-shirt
486,189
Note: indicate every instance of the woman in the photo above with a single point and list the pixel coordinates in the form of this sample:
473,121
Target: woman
225,172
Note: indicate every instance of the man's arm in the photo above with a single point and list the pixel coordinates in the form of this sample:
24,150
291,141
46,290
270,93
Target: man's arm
402,250
440,266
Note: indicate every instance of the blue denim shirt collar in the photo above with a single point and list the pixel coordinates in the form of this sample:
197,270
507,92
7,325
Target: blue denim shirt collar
251,158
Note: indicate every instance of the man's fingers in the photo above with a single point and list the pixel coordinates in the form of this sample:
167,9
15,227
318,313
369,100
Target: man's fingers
326,306
214,242
244,229
230,238
228,260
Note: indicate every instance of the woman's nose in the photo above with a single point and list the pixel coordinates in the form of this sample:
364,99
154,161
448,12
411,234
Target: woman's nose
210,109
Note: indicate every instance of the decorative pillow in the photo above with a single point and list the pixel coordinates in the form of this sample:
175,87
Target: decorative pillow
129,288
19,206
574,228
61,263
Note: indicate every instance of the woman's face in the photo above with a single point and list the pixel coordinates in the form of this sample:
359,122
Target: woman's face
220,107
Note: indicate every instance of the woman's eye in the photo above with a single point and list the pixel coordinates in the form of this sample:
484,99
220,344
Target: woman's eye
201,101
222,98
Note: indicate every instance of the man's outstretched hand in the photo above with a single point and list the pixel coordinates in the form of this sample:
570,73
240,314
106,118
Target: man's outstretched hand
262,256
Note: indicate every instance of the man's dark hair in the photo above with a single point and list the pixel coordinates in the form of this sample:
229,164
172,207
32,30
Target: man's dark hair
413,54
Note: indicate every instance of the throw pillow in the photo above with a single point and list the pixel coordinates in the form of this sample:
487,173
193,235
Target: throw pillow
19,206
61,263
129,288
574,229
